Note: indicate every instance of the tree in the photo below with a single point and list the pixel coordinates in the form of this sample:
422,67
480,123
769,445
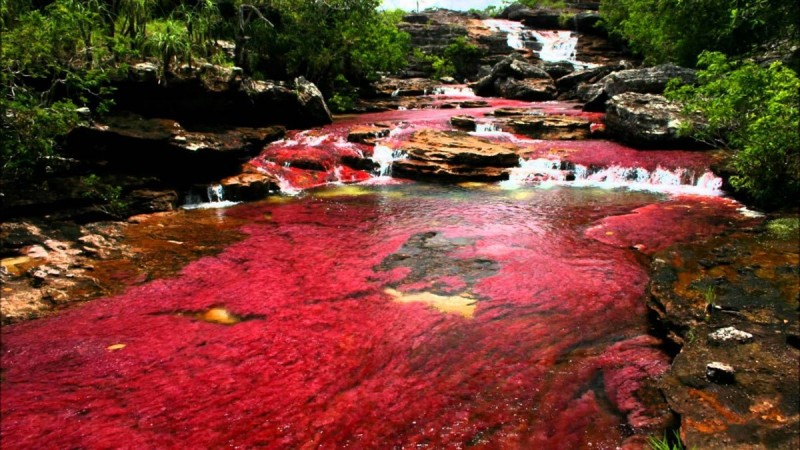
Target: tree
755,111
678,31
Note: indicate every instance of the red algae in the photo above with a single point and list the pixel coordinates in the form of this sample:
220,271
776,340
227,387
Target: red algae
556,354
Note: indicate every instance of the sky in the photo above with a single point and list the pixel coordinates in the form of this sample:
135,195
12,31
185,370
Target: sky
462,5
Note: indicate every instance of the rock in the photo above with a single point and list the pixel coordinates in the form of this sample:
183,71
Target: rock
367,134
650,80
644,120
546,19
249,186
755,401
729,334
131,144
216,96
591,75
531,89
464,122
720,373
588,22
516,79
454,156
311,102
558,69
398,87
550,127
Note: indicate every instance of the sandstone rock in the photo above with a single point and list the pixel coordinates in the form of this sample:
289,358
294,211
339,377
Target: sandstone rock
464,122
249,186
755,401
454,156
367,134
550,127
644,120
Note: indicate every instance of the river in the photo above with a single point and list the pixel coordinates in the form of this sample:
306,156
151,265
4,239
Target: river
386,313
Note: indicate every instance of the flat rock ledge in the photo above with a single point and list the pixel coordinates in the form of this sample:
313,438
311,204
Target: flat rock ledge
731,305
454,156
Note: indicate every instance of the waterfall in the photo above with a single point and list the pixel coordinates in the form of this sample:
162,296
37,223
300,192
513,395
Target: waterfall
557,46
487,127
384,157
215,194
545,172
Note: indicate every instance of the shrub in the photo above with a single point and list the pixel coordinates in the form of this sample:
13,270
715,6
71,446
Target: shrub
755,112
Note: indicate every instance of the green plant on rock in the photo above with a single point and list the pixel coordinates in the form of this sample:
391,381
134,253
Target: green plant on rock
666,442
755,112
107,198
169,43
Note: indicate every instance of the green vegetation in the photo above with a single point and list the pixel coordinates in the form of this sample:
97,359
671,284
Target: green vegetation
460,58
59,56
666,443
678,31
785,228
755,111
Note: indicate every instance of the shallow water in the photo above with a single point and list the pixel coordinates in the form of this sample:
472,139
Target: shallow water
405,315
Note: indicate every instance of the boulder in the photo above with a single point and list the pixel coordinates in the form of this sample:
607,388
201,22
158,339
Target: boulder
249,186
454,156
644,120
650,80
570,81
531,89
515,78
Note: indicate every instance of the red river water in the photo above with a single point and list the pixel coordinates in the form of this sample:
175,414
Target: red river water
382,315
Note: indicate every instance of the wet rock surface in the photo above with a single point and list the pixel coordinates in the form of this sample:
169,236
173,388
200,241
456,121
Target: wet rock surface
47,266
732,305
454,156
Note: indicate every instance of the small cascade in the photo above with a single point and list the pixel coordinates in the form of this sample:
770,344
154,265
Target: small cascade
487,127
384,157
216,193
214,198
557,45
453,91
544,171
517,36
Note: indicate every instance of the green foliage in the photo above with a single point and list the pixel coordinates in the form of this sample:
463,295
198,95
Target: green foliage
171,41
755,112
666,443
553,4
785,228
464,57
106,197
678,31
